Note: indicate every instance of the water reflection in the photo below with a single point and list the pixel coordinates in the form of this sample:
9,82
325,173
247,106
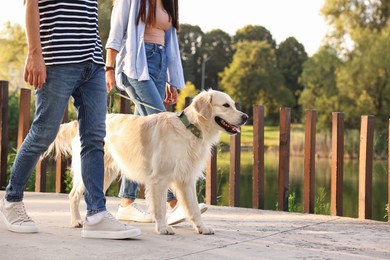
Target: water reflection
322,184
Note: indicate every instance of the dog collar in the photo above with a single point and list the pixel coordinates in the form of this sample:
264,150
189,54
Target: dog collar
188,125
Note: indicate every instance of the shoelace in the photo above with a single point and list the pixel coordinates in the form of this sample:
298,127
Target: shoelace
110,217
21,211
136,206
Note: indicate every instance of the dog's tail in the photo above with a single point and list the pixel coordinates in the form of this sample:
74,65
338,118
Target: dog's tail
63,142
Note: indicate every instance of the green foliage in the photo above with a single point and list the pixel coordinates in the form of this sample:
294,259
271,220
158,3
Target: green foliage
253,78
217,53
347,17
188,91
321,205
290,58
320,87
292,202
368,74
30,186
13,51
254,33
190,41
104,12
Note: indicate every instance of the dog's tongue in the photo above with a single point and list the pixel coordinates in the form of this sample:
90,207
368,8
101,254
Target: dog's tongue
236,129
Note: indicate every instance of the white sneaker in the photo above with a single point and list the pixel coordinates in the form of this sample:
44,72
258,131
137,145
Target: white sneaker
134,212
108,227
177,213
15,217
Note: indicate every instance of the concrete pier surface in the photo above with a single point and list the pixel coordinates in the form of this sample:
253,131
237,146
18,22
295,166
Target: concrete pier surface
240,233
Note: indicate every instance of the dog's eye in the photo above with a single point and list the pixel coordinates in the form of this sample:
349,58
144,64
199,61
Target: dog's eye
226,105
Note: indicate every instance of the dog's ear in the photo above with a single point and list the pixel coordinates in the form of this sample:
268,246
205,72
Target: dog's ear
203,104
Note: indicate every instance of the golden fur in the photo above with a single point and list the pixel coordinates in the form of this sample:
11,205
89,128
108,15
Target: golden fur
157,151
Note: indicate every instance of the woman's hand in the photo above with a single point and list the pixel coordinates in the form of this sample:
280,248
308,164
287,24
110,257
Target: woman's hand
170,94
110,80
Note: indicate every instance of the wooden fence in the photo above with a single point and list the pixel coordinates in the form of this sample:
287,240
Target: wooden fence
258,196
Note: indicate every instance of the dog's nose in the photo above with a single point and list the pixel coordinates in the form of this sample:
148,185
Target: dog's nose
244,117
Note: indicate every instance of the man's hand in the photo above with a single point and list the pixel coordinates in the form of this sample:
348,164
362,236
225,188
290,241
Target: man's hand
35,70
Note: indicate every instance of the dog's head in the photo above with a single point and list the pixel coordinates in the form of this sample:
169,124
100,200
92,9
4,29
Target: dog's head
220,110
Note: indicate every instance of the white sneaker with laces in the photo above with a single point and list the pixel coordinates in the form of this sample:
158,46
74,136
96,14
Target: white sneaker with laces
109,228
176,214
15,217
134,212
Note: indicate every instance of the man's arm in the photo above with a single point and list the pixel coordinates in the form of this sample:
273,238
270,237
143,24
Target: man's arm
34,68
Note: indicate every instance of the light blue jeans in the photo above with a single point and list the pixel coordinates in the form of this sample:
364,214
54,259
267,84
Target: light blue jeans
150,92
85,82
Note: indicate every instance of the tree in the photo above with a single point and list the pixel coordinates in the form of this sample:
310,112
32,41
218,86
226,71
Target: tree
368,75
321,92
190,41
105,7
253,77
290,56
189,91
348,17
13,52
254,33
217,53
364,80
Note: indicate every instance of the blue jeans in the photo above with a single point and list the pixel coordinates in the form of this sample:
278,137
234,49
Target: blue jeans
85,82
150,92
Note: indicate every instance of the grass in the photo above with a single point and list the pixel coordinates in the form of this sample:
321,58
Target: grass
271,135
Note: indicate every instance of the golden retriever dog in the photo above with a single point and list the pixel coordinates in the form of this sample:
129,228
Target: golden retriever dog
161,151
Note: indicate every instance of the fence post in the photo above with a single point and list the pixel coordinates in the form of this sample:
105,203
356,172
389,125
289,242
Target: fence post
24,115
61,164
284,158
309,164
211,177
336,201
258,158
365,166
234,175
3,132
40,175
124,103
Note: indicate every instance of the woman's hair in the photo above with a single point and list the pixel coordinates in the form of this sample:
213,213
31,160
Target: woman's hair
171,6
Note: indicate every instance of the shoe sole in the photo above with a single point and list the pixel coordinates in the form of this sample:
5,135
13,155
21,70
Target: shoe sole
135,220
203,209
17,229
111,234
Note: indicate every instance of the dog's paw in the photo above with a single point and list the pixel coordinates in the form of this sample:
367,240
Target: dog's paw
205,230
77,223
167,230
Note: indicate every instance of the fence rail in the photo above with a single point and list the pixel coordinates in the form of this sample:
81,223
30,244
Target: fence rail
258,196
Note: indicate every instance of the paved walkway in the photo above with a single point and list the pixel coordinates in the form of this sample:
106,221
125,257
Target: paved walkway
240,233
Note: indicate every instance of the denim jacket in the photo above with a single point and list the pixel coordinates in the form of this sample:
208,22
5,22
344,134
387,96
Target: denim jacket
128,39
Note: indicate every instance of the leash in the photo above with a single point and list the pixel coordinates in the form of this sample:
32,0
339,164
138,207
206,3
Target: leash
115,91
183,118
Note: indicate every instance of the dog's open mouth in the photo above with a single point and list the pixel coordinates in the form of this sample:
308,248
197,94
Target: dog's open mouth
233,129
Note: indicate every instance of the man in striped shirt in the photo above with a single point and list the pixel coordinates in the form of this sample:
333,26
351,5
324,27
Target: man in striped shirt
64,60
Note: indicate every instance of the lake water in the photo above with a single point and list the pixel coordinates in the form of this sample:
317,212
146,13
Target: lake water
322,184
271,165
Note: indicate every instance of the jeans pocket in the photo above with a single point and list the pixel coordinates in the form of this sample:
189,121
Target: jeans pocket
150,51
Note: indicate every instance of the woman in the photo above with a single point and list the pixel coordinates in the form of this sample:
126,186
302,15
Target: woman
142,56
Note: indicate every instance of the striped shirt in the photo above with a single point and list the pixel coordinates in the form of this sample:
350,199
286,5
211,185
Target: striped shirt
69,31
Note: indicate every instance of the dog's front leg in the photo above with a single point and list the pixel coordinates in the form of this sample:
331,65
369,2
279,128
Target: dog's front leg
187,198
74,200
156,195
